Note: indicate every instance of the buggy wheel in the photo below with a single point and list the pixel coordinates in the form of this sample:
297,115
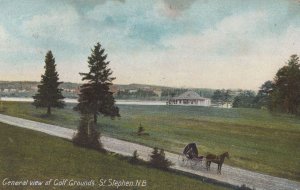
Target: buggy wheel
193,163
182,160
203,162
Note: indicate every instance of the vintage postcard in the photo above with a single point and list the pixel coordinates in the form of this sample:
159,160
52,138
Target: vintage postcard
158,95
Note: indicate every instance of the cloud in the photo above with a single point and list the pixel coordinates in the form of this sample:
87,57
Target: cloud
174,8
3,38
238,52
232,35
82,6
7,42
56,24
132,26
10,44
194,43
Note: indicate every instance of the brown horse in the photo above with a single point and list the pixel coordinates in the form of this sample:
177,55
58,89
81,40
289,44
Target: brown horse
216,159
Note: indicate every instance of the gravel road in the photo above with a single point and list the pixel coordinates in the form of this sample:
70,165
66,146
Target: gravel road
231,175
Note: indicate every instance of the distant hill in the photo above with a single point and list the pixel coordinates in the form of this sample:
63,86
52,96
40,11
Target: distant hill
140,86
70,85
19,85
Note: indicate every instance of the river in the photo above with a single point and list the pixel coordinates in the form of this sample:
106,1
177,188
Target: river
69,100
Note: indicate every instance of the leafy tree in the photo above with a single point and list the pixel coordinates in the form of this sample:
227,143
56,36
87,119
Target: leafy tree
217,97
227,97
244,100
263,97
49,95
286,92
222,97
95,97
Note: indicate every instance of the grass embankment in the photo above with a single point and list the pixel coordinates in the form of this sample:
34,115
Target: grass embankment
31,155
256,139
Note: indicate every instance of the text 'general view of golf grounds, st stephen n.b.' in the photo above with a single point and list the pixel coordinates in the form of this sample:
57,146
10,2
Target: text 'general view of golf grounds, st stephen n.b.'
158,95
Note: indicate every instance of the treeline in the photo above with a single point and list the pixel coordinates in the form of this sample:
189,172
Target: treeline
124,92
137,94
30,85
29,88
160,94
223,97
173,92
280,94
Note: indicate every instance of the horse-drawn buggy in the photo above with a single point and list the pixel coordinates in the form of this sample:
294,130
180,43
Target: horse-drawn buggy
191,158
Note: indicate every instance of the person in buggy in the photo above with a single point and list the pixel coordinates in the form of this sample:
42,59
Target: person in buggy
191,151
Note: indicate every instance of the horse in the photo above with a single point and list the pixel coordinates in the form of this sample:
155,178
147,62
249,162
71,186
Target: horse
216,159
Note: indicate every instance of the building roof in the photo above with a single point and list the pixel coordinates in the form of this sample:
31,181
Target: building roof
190,95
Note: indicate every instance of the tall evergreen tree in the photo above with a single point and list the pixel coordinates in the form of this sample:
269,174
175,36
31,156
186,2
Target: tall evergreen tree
95,96
286,92
49,94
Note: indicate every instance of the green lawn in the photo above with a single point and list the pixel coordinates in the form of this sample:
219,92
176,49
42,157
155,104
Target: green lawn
256,139
31,155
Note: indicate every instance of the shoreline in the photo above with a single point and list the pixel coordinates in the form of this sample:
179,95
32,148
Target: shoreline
71,100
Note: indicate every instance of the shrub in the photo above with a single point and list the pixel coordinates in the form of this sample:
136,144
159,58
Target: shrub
135,158
81,137
158,159
244,187
141,131
94,138
87,135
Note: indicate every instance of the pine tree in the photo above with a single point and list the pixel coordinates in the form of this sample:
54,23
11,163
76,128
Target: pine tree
49,95
95,96
158,159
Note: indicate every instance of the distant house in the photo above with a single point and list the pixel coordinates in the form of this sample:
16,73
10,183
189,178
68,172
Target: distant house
157,92
189,98
133,91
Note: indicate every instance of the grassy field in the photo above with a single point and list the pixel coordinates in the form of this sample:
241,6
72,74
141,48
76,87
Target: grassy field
256,139
31,155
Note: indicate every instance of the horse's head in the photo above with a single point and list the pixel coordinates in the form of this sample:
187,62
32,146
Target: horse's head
226,154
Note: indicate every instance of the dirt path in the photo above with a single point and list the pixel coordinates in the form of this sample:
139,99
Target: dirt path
231,175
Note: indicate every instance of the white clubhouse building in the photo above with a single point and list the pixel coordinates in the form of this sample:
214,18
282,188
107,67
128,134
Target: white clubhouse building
189,98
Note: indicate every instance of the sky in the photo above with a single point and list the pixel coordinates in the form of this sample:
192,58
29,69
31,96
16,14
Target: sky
190,43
